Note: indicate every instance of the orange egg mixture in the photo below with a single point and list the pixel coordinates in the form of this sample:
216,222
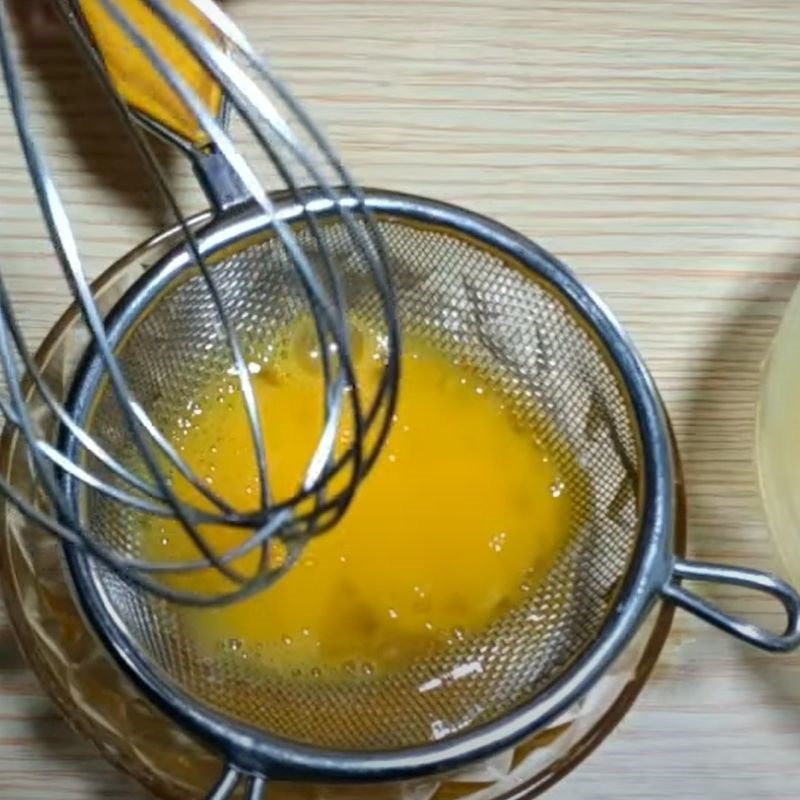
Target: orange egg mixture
461,515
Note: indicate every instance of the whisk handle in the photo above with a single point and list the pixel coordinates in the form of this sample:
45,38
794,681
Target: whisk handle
138,81
736,576
225,788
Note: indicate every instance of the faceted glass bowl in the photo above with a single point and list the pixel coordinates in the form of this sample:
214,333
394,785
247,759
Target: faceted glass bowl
100,702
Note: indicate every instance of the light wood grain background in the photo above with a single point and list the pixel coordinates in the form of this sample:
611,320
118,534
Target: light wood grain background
654,146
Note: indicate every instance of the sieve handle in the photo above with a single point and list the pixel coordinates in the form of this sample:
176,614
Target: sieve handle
737,576
255,786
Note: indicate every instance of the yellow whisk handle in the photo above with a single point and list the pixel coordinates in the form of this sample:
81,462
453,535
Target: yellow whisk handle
137,79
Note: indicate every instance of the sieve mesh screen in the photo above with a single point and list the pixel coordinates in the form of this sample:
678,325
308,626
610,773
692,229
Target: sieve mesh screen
521,335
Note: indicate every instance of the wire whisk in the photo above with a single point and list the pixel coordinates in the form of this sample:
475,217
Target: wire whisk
109,448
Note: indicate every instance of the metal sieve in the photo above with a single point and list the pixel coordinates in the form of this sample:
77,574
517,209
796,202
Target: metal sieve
486,295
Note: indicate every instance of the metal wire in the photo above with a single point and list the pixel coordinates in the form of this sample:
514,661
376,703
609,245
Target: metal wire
298,157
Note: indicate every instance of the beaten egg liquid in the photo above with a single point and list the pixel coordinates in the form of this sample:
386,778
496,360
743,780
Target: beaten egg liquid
461,515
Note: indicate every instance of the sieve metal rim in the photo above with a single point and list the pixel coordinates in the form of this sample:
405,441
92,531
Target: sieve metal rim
648,576
250,749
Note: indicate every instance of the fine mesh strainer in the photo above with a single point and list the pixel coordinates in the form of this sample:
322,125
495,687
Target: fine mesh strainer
499,303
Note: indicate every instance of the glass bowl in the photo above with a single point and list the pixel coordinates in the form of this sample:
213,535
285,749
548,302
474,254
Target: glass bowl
102,705
778,440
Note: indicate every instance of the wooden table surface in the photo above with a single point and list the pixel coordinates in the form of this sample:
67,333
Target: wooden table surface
655,147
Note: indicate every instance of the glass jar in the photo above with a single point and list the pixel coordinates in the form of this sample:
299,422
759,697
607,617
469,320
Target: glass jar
778,440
